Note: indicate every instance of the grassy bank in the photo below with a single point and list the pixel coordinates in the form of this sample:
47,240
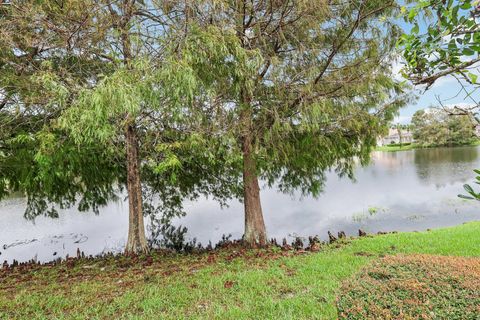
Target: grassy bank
411,146
395,147
228,284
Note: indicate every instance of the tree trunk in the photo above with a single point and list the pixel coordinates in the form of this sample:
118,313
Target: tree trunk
255,232
137,242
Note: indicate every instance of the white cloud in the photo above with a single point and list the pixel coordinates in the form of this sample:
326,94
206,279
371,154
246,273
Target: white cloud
397,66
402,119
443,81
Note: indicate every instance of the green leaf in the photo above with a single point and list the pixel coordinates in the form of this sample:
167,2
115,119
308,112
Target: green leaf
412,14
473,77
415,29
468,52
465,197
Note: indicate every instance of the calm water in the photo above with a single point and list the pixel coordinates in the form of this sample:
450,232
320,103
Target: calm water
403,191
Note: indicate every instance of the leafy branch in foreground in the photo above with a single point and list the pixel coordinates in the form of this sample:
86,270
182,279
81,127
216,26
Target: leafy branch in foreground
473,195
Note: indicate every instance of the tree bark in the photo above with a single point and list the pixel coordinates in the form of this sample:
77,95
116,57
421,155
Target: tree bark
137,242
255,232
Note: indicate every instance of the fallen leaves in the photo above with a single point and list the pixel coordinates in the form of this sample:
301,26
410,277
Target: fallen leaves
414,287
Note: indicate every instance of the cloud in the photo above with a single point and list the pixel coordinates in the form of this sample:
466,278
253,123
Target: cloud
397,66
443,81
402,119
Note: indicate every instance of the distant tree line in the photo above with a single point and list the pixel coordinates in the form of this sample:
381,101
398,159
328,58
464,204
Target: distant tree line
436,127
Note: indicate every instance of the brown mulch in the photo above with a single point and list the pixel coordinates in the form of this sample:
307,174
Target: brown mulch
414,287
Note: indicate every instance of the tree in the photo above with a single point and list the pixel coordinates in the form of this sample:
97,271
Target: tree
107,35
29,47
321,93
447,46
293,88
121,105
399,129
434,127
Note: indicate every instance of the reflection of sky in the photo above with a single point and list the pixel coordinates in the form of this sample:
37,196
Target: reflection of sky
92,234
408,190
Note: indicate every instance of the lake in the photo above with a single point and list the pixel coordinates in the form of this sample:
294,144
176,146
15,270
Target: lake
398,191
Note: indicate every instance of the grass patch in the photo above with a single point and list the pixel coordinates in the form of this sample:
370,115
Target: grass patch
227,284
412,146
369,213
396,147
414,287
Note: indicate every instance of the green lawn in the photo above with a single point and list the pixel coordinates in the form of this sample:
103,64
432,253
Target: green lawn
392,148
411,146
231,284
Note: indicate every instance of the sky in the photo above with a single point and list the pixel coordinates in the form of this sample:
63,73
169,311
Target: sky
445,89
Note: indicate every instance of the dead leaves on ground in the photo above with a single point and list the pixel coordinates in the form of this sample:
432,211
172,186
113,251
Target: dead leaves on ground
414,287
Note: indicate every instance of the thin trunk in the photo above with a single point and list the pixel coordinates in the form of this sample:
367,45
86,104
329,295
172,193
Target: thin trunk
137,242
255,232
400,139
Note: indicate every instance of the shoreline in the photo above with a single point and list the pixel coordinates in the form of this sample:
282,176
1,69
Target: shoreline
300,244
229,283
413,146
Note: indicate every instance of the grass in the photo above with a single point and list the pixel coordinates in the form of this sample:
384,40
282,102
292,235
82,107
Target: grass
396,147
226,284
412,146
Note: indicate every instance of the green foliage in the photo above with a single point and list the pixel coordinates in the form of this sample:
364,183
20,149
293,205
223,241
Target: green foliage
322,91
39,74
51,169
62,131
472,194
434,128
448,46
310,82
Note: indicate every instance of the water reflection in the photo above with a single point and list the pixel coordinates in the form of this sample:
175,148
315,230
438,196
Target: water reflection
408,190
443,166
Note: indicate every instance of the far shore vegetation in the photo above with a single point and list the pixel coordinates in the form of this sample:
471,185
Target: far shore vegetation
434,127
411,146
